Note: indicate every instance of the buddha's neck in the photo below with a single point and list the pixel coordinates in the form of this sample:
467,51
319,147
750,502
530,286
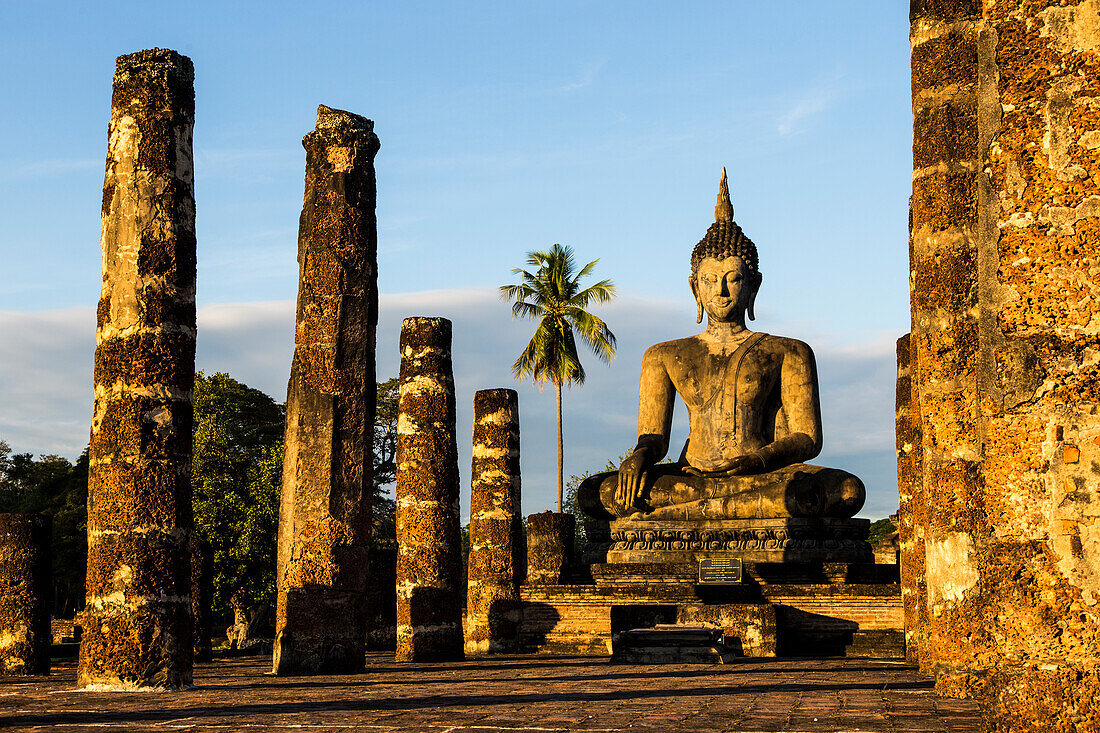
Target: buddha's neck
725,332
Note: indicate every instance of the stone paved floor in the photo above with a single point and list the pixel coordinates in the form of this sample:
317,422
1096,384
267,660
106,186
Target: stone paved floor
507,694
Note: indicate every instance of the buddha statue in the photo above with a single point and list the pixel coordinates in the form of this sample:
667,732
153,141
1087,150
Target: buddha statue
754,420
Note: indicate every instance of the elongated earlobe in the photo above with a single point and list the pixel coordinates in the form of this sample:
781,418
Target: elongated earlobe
698,303
752,298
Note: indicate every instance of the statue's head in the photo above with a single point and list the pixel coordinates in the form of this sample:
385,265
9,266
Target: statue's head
725,274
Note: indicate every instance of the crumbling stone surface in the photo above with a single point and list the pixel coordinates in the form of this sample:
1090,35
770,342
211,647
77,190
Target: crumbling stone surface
429,559
137,622
26,585
549,547
324,513
382,599
202,597
912,519
1006,354
496,563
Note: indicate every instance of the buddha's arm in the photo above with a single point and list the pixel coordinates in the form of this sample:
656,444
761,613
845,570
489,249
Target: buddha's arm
798,393
656,397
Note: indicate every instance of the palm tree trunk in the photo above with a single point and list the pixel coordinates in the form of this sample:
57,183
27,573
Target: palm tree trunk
561,450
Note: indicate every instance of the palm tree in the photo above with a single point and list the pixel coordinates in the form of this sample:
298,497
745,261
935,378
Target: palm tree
552,295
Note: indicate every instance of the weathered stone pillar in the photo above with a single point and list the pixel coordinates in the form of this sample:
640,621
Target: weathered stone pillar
202,597
324,515
911,512
429,559
496,562
137,621
26,585
1006,200
549,547
382,599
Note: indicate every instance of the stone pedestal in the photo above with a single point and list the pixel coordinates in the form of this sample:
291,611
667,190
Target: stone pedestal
137,622
324,513
202,597
779,609
26,588
496,563
672,644
794,539
429,560
550,538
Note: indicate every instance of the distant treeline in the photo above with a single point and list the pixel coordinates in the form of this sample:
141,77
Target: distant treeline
236,477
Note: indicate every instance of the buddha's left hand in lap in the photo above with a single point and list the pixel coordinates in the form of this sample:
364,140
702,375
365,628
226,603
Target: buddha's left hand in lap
738,466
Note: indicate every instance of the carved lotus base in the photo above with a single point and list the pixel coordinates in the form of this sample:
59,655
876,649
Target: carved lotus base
760,540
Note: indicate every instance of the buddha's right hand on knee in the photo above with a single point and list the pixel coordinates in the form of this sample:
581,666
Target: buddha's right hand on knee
632,478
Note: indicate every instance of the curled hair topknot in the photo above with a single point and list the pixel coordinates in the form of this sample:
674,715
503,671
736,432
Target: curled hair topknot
724,238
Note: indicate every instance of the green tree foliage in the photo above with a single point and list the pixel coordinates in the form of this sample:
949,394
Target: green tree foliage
880,530
236,476
573,506
383,507
53,486
553,296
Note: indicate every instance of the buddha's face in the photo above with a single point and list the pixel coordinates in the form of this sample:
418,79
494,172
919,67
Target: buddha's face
724,288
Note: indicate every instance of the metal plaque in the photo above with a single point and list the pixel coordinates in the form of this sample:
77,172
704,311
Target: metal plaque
720,571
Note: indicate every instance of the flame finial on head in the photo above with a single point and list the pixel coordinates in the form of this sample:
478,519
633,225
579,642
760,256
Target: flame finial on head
725,238
723,210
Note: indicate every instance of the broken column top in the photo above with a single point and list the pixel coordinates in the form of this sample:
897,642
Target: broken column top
154,83
154,57
337,119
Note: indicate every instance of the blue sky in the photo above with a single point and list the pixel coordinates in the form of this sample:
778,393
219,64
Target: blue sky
505,127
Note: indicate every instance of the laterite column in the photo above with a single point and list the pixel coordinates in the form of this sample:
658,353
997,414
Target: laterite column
1005,220
496,529
324,514
137,621
912,514
550,537
429,559
26,586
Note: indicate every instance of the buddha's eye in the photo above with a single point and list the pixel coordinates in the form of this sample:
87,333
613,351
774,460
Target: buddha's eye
710,279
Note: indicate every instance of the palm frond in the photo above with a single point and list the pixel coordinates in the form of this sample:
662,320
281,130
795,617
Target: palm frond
601,292
532,311
550,292
594,333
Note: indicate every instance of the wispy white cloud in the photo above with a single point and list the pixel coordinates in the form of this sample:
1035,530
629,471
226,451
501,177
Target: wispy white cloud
585,79
46,367
802,108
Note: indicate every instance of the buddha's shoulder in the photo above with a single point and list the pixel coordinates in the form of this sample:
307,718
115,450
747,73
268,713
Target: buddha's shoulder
764,342
684,347
784,345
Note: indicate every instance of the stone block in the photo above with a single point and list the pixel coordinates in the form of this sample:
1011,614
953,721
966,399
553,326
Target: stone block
26,586
549,547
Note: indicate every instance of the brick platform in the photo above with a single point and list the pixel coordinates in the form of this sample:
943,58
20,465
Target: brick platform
507,693
830,609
